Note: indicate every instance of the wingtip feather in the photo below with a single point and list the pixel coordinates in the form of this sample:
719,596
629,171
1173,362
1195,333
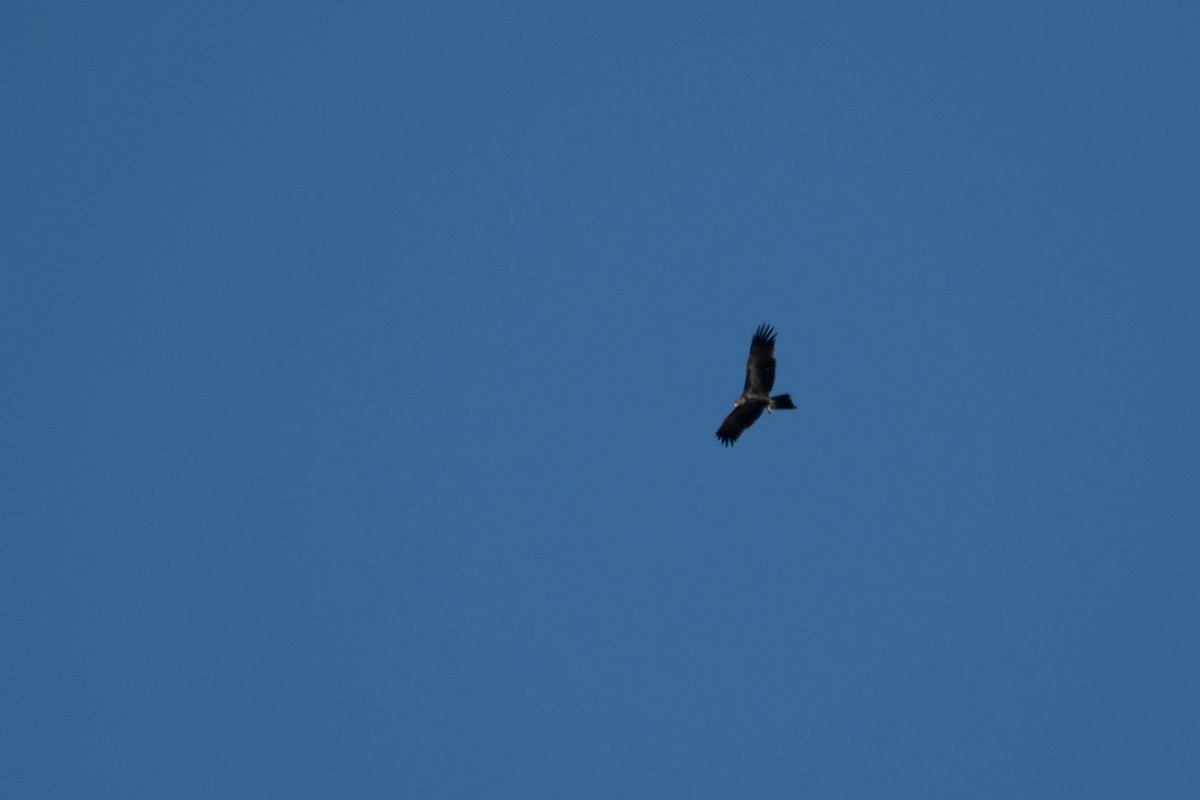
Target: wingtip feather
765,334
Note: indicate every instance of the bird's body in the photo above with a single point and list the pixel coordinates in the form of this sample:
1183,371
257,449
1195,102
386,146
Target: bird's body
756,394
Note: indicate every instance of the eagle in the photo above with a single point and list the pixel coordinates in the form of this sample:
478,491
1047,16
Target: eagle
756,395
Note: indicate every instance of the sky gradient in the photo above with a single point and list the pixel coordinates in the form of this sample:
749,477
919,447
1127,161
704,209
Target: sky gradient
361,367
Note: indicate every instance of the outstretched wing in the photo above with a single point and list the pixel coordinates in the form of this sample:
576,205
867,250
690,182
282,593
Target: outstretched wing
738,420
760,366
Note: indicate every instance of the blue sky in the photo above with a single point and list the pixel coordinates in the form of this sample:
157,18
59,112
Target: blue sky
361,366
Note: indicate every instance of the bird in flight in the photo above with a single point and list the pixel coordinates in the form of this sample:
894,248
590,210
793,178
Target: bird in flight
756,395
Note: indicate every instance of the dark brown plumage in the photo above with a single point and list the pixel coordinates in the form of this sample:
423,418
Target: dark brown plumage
756,394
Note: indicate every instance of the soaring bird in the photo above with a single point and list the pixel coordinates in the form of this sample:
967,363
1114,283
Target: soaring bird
756,395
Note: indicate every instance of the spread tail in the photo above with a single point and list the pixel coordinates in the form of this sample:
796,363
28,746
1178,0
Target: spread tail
782,401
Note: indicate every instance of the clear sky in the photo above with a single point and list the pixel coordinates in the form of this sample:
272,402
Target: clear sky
360,365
